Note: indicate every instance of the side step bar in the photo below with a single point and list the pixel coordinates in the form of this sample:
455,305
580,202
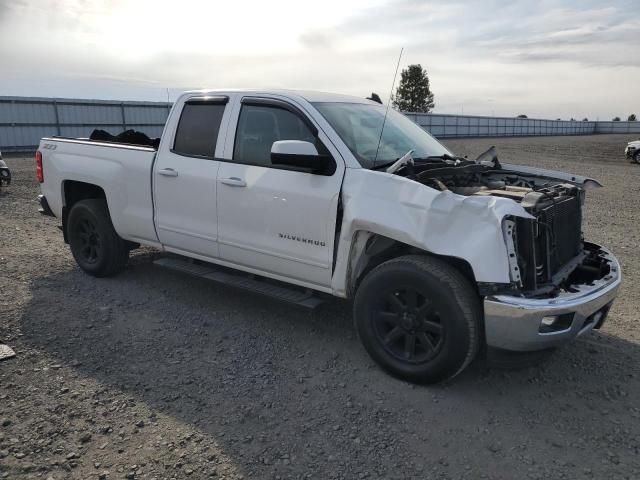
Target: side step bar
303,298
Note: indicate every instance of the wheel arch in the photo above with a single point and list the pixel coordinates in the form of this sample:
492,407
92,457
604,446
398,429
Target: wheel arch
74,191
370,249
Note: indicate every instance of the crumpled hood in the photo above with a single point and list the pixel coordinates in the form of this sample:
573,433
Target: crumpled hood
581,181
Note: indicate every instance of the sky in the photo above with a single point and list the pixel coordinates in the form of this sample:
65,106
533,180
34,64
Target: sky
545,59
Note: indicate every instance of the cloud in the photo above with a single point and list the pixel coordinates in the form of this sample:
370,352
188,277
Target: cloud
548,58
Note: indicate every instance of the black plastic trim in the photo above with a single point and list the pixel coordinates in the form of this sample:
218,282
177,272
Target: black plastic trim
192,155
45,209
272,102
215,100
305,163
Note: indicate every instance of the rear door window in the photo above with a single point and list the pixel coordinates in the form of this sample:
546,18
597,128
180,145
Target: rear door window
198,128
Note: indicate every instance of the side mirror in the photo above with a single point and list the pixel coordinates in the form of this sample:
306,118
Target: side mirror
303,155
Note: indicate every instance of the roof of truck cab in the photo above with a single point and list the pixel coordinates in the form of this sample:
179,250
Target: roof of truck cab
309,95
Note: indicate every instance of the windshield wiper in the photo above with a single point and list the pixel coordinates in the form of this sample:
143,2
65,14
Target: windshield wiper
444,156
393,166
406,159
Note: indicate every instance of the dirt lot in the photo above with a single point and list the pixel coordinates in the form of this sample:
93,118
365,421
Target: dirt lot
155,375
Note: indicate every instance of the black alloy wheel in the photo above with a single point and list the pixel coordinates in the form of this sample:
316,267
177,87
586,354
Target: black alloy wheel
95,245
90,244
408,325
419,318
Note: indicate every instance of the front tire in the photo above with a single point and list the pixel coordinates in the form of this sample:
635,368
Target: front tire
636,157
418,318
95,245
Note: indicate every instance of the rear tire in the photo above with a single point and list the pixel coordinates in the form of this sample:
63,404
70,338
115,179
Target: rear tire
418,318
95,245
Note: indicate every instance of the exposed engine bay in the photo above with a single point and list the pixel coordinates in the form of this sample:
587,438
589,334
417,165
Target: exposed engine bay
551,253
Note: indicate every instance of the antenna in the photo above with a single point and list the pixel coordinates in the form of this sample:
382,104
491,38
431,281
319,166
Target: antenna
384,120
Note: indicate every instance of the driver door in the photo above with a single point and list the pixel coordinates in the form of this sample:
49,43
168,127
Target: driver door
274,219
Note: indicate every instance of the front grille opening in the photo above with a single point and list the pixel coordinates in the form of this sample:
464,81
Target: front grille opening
593,268
550,241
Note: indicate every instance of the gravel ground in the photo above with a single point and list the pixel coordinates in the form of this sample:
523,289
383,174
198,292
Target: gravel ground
156,375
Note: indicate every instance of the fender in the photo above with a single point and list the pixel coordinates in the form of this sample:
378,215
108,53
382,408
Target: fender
442,223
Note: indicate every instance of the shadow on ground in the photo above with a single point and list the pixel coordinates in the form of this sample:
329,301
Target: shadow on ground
265,378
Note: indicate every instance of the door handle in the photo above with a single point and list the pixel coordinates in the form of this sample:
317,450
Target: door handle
168,172
234,182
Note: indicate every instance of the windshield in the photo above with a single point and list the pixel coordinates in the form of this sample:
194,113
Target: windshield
359,125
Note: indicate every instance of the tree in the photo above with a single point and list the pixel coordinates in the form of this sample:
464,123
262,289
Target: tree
414,93
522,115
585,119
616,119
573,119
632,118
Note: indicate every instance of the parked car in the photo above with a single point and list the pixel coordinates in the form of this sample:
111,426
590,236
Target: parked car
5,173
633,151
297,195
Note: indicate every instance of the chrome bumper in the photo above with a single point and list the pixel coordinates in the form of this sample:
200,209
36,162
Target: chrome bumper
514,323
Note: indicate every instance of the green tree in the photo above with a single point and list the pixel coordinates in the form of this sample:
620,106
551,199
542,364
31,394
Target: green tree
632,118
522,115
585,119
414,93
616,119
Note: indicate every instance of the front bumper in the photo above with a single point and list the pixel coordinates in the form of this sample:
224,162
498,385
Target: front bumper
514,323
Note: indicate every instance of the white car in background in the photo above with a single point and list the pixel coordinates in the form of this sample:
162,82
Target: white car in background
633,151
5,173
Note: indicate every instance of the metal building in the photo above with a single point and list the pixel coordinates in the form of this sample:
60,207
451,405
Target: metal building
25,120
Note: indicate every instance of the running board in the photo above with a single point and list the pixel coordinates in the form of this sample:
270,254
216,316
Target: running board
303,298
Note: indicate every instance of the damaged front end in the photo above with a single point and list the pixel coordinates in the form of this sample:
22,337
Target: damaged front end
580,303
546,244
561,286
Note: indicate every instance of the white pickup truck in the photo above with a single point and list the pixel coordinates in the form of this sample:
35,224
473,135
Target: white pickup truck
298,195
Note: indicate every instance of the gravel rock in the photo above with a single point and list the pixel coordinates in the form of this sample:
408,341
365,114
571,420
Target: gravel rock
164,374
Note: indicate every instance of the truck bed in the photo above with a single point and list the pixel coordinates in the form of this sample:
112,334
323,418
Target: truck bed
122,171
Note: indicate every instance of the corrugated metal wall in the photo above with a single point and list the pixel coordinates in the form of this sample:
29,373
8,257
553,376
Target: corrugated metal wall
617,127
454,126
25,120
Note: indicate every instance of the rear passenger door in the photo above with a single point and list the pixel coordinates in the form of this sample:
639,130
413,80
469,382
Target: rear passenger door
185,175
270,218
